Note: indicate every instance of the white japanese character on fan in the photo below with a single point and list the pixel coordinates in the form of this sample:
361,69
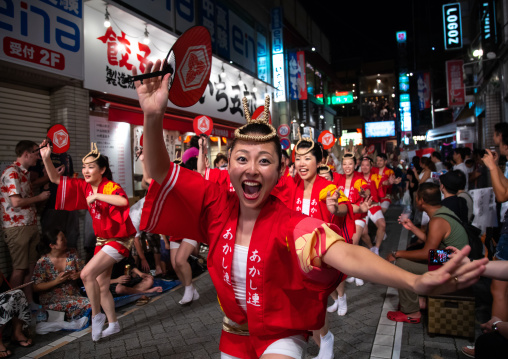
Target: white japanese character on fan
254,257
228,235
253,272
226,248
254,300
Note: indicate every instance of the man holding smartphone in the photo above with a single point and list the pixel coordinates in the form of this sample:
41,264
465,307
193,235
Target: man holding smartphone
442,230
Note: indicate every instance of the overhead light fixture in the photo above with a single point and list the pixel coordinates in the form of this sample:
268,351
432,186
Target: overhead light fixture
107,23
146,39
321,116
491,55
220,86
240,82
302,125
478,53
222,73
375,90
378,81
254,88
393,95
313,48
230,62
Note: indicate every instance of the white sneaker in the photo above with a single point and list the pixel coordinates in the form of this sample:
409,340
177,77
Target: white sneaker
350,279
342,306
375,250
332,308
358,282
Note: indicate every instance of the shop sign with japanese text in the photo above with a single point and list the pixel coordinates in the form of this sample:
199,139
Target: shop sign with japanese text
455,83
279,80
45,35
110,55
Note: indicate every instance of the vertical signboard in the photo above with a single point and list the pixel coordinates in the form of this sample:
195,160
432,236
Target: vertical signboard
45,35
455,83
405,103
297,76
262,57
304,111
452,26
279,81
185,14
488,23
222,30
423,90
208,19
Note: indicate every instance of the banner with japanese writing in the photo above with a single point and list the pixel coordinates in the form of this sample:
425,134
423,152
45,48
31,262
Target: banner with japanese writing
455,83
423,90
110,55
45,35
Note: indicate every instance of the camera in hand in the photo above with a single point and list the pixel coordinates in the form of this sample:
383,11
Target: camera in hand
439,256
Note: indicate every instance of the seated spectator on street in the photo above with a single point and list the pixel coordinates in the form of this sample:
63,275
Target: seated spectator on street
442,232
451,183
56,274
145,244
126,279
15,311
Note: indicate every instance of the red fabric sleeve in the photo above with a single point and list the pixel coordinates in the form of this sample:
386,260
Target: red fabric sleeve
183,205
71,194
119,216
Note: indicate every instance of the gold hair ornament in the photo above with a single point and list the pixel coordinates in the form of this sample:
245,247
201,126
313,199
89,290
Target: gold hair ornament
303,139
94,152
325,165
264,120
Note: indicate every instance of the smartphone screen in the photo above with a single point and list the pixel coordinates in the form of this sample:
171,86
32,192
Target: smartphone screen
439,256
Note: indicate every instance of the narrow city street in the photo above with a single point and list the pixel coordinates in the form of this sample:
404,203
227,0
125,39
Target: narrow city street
164,329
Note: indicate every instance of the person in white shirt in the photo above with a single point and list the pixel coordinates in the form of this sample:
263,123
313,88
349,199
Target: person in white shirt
436,158
459,156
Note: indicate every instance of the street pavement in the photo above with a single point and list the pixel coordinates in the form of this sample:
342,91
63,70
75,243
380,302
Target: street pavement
165,329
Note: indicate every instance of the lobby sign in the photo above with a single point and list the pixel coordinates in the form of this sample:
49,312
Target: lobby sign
44,35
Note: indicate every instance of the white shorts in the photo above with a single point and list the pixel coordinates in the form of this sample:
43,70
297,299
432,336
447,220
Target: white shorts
293,346
113,253
375,217
385,204
175,245
360,222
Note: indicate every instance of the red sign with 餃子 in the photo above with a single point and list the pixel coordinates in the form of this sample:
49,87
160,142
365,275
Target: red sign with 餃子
455,83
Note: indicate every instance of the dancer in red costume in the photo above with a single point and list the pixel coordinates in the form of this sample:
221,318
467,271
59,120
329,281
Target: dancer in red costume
108,205
386,178
273,268
356,189
375,213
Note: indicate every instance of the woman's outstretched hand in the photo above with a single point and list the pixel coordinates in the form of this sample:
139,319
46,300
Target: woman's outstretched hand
153,92
452,276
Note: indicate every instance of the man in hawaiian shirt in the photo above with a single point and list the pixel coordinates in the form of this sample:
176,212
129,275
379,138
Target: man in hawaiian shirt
19,220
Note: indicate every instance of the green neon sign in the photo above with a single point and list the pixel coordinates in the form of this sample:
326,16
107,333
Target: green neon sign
340,98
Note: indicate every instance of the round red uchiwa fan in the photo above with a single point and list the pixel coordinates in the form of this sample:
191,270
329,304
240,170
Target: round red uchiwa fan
259,113
190,63
202,125
59,137
327,139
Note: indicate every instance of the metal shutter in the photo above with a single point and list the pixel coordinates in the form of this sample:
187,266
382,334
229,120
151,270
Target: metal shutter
24,115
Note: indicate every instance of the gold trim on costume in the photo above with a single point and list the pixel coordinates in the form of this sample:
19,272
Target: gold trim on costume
126,242
234,328
265,120
94,152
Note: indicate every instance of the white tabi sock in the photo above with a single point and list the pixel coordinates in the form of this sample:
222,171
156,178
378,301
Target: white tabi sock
112,328
97,324
188,295
326,347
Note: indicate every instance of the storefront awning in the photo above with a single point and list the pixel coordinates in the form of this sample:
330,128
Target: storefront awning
134,115
448,130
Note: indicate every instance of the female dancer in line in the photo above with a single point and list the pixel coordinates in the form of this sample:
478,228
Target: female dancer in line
273,268
355,188
108,205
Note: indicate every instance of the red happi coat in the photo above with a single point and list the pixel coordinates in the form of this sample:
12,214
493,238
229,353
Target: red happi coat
287,283
357,184
108,221
290,191
384,190
373,183
220,177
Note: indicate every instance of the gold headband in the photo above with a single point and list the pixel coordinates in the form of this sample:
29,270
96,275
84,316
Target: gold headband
304,139
264,120
93,152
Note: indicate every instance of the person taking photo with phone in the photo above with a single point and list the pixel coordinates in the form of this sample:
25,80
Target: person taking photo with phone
442,231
